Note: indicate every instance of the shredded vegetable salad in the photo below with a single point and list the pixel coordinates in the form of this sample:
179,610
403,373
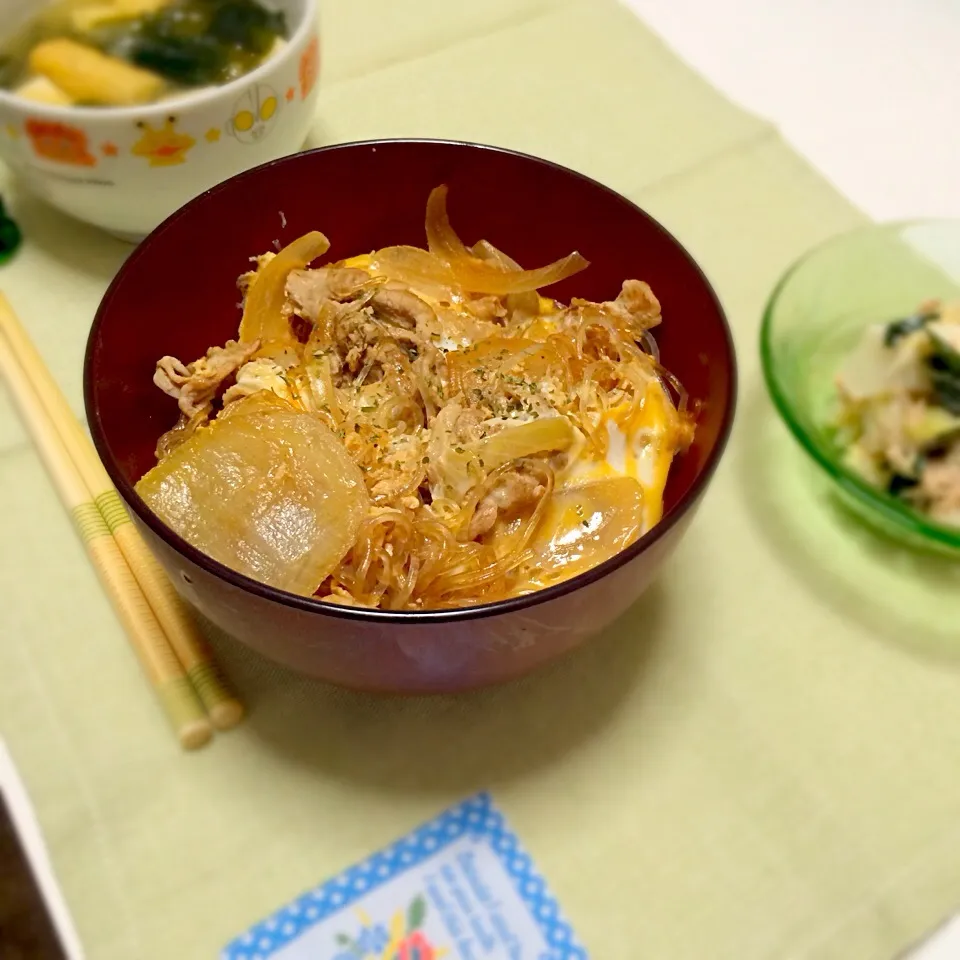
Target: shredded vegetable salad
420,428
899,409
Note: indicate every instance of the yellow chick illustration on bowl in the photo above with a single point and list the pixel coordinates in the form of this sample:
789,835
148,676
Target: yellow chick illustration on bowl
165,147
254,114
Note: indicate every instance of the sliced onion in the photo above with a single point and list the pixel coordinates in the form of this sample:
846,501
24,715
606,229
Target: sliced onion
422,271
526,303
263,317
317,370
543,435
482,276
485,250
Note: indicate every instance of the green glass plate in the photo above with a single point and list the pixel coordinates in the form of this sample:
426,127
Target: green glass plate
815,316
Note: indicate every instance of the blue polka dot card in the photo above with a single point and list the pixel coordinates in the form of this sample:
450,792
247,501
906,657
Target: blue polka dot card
459,888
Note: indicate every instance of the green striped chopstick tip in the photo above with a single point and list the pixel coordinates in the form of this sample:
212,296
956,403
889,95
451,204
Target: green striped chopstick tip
185,712
224,709
89,522
113,509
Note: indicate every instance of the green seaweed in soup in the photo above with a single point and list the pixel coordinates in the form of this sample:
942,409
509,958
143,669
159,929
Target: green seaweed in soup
202,42
112,52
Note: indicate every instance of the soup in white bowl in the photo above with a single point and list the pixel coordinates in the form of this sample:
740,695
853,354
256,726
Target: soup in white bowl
124,123
125,52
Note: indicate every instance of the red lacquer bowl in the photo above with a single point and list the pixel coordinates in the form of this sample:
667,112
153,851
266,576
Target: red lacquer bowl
177,295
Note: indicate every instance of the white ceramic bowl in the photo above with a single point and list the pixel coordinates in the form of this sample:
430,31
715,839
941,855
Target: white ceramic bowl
127,168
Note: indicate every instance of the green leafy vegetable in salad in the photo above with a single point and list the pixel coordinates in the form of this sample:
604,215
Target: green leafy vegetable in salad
899,409
944,366
897,329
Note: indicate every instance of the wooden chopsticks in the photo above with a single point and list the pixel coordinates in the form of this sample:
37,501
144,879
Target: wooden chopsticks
170,648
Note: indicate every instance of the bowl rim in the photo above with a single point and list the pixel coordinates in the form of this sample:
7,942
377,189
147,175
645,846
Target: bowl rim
203,97
365,614
893,511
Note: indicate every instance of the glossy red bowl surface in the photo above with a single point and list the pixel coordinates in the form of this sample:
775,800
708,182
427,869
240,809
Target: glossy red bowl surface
177,295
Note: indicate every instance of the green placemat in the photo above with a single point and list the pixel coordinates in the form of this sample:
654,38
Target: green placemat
757,762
